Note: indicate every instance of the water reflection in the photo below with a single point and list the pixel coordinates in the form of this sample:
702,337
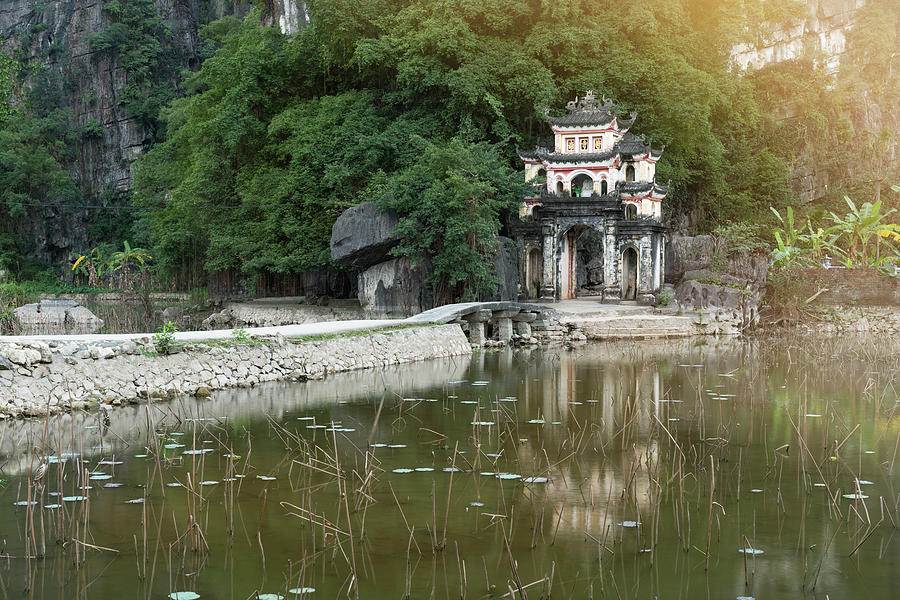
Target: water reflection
606,470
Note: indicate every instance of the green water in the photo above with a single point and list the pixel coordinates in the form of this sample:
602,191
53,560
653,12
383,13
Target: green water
625,434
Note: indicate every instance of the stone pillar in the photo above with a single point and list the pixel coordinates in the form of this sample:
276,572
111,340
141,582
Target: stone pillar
504,319
476,333
476,322
548,285
612,289
522,322
504,329
645,266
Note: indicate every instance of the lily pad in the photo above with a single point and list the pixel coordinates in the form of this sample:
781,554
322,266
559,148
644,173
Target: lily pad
302,590
112,485
534,480
74,498
52,505
485,423
200,451
855,496
209,482
403,471
629,524
135,501
753,551
266,477
424,469
269,597
172,446
100,477
508,476
184,596
537,421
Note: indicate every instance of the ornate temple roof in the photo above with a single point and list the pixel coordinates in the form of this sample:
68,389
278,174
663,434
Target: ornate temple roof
543,154
629,146
633,188
591,111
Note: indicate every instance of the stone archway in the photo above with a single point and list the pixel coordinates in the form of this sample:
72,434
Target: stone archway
582,186
579,261
629,273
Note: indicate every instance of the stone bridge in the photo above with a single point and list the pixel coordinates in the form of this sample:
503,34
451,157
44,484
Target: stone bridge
486,321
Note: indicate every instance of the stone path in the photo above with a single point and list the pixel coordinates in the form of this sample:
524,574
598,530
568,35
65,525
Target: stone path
603,321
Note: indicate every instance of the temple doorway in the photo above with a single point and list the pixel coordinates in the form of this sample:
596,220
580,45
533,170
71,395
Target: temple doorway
589,262
629,274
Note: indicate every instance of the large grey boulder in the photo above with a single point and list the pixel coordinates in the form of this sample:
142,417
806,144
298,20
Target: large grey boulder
395,287
506,268
686,254
739,306
57,316
363,236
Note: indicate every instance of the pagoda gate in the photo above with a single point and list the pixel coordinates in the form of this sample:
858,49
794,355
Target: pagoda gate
593,223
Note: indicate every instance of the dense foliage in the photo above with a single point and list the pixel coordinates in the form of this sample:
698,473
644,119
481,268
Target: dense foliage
284,133
419,104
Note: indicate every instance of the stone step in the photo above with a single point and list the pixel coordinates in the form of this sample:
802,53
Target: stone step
623,333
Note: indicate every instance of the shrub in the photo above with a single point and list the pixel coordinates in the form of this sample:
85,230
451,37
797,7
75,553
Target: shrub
164,338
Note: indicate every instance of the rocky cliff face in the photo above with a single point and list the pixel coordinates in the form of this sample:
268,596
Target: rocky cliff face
824,32
824,27
56,34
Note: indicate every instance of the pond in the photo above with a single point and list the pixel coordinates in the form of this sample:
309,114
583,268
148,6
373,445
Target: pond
761,468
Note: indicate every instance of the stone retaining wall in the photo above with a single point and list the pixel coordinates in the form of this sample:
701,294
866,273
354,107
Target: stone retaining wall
36,376
850,286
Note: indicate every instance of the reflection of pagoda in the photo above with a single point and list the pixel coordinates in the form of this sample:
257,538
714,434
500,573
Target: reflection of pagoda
594,220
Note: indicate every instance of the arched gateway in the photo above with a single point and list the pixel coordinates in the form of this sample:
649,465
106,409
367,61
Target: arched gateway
581,234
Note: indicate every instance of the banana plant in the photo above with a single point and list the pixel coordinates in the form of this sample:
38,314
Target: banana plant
787,252
125,259
858,227
91,266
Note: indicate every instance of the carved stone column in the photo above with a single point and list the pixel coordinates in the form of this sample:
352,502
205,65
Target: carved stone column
612,288
548,283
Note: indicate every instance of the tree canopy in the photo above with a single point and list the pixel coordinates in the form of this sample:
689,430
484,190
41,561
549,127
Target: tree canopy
280,133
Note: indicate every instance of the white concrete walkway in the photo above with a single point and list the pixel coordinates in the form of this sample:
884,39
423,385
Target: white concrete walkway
612,319
306,329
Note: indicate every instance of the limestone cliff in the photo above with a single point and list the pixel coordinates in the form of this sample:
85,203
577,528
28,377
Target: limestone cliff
858,148
823,28
55,36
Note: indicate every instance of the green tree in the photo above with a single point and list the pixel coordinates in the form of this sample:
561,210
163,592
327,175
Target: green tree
451,200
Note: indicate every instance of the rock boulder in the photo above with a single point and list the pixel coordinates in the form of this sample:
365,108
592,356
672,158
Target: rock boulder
57,316
363,236
395,287
506,268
